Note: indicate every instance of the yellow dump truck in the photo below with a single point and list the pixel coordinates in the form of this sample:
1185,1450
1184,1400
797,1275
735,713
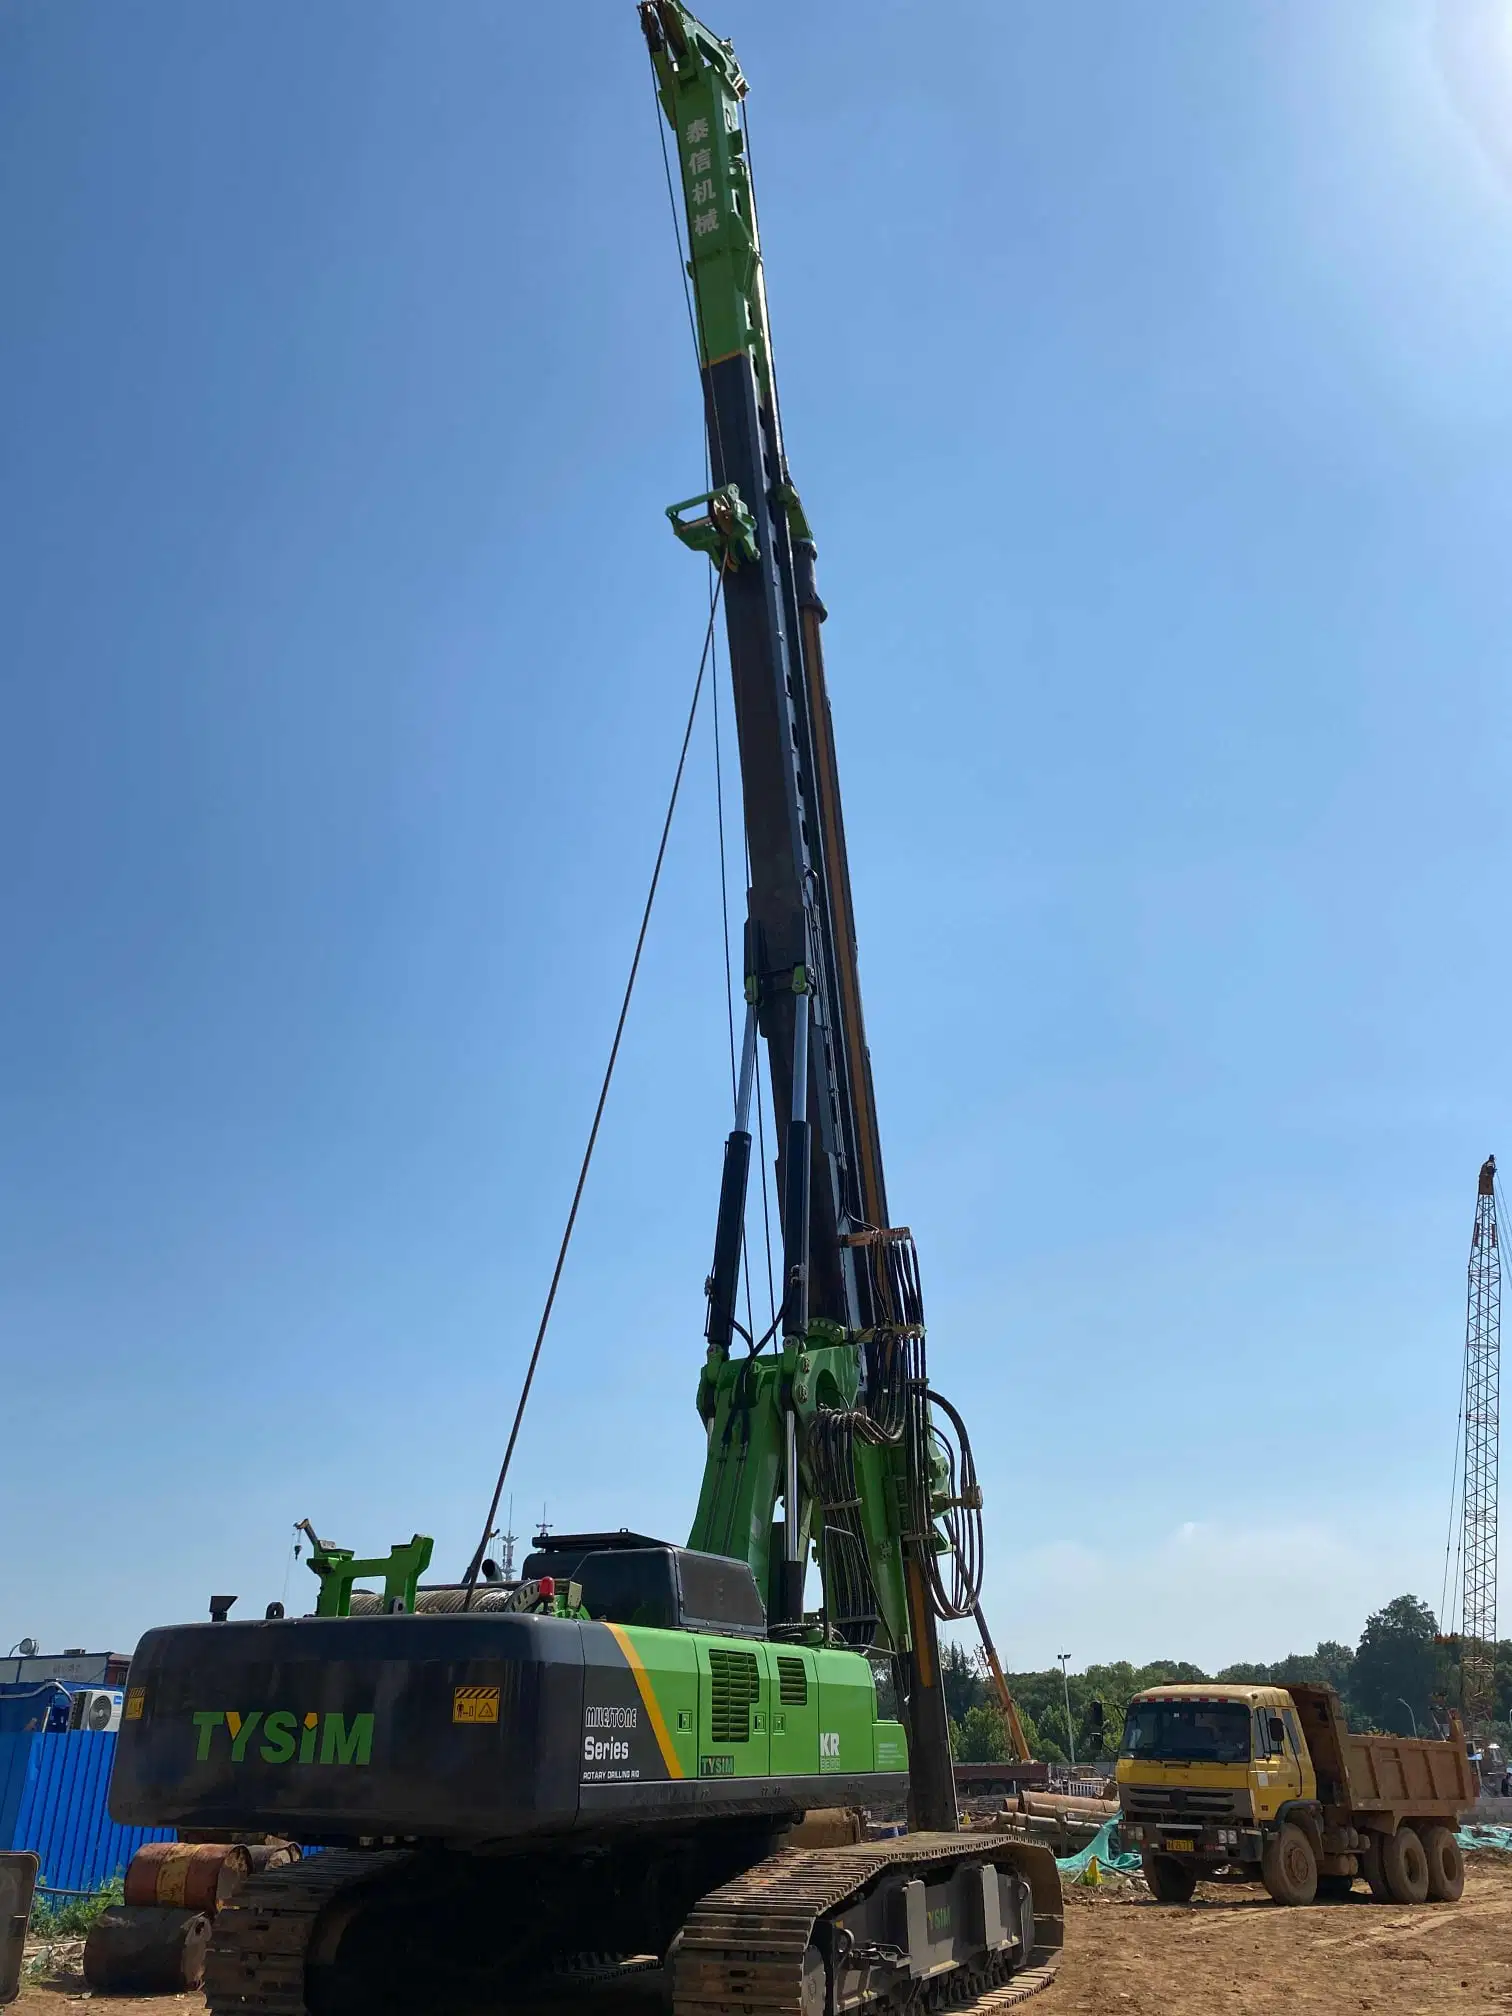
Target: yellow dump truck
1268,1783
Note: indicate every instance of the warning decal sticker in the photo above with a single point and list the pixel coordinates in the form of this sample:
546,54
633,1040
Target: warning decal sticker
475,1704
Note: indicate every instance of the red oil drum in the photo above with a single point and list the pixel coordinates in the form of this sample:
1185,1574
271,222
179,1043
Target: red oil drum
186,1876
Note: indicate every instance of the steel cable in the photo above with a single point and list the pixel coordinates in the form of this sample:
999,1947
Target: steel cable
476,1564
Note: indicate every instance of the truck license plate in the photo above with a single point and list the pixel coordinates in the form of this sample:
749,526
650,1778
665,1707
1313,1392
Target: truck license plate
1180,1844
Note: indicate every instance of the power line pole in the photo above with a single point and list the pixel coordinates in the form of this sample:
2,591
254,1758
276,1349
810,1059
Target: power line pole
1064,1658
1482,1460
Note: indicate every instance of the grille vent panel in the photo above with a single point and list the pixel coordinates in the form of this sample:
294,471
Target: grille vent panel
735,1688
1157,1800
792,1682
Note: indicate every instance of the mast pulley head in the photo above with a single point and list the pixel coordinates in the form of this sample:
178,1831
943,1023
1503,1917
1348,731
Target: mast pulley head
726,531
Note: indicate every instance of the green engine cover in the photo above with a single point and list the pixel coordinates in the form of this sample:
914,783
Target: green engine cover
738,1708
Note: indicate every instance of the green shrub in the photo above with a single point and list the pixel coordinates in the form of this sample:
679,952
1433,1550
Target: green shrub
71,1917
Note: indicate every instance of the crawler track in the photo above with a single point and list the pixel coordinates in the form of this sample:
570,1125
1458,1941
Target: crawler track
742,1949
261,1944
740,1953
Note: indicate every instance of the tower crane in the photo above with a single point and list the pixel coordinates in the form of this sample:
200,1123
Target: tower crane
1482,1445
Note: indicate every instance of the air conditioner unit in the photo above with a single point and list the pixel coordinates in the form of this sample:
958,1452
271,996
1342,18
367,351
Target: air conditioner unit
97,1709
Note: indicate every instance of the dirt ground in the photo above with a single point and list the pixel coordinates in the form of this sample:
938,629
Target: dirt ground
1231,1950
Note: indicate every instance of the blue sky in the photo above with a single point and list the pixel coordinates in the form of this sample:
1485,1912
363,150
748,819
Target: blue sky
1146,380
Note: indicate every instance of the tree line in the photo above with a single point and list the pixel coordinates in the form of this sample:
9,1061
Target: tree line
1401,1676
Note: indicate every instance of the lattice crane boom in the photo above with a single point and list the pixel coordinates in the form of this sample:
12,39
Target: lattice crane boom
1482,1427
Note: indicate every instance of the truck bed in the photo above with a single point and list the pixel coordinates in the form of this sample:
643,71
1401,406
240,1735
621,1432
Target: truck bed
1409,1773
1401,1775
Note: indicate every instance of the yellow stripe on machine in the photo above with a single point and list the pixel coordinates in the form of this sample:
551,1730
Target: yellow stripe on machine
652,1706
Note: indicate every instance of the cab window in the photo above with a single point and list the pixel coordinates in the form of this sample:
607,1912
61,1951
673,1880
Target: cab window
1264,1745
1186,1731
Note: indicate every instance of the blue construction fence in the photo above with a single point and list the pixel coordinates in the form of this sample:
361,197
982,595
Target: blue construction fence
53,1791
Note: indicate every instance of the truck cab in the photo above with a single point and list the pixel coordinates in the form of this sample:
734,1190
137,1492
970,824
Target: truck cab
1204,1769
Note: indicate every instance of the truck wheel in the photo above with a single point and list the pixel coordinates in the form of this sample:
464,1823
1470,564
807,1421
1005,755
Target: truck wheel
1446,1865
1371,1870
1405,1867
1288,1867
1334,1889
1170,1881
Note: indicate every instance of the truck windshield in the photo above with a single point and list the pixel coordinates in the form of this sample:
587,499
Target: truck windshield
1196,1732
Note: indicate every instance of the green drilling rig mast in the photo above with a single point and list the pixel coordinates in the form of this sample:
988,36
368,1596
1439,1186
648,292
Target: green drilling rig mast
838,1420
616,1754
